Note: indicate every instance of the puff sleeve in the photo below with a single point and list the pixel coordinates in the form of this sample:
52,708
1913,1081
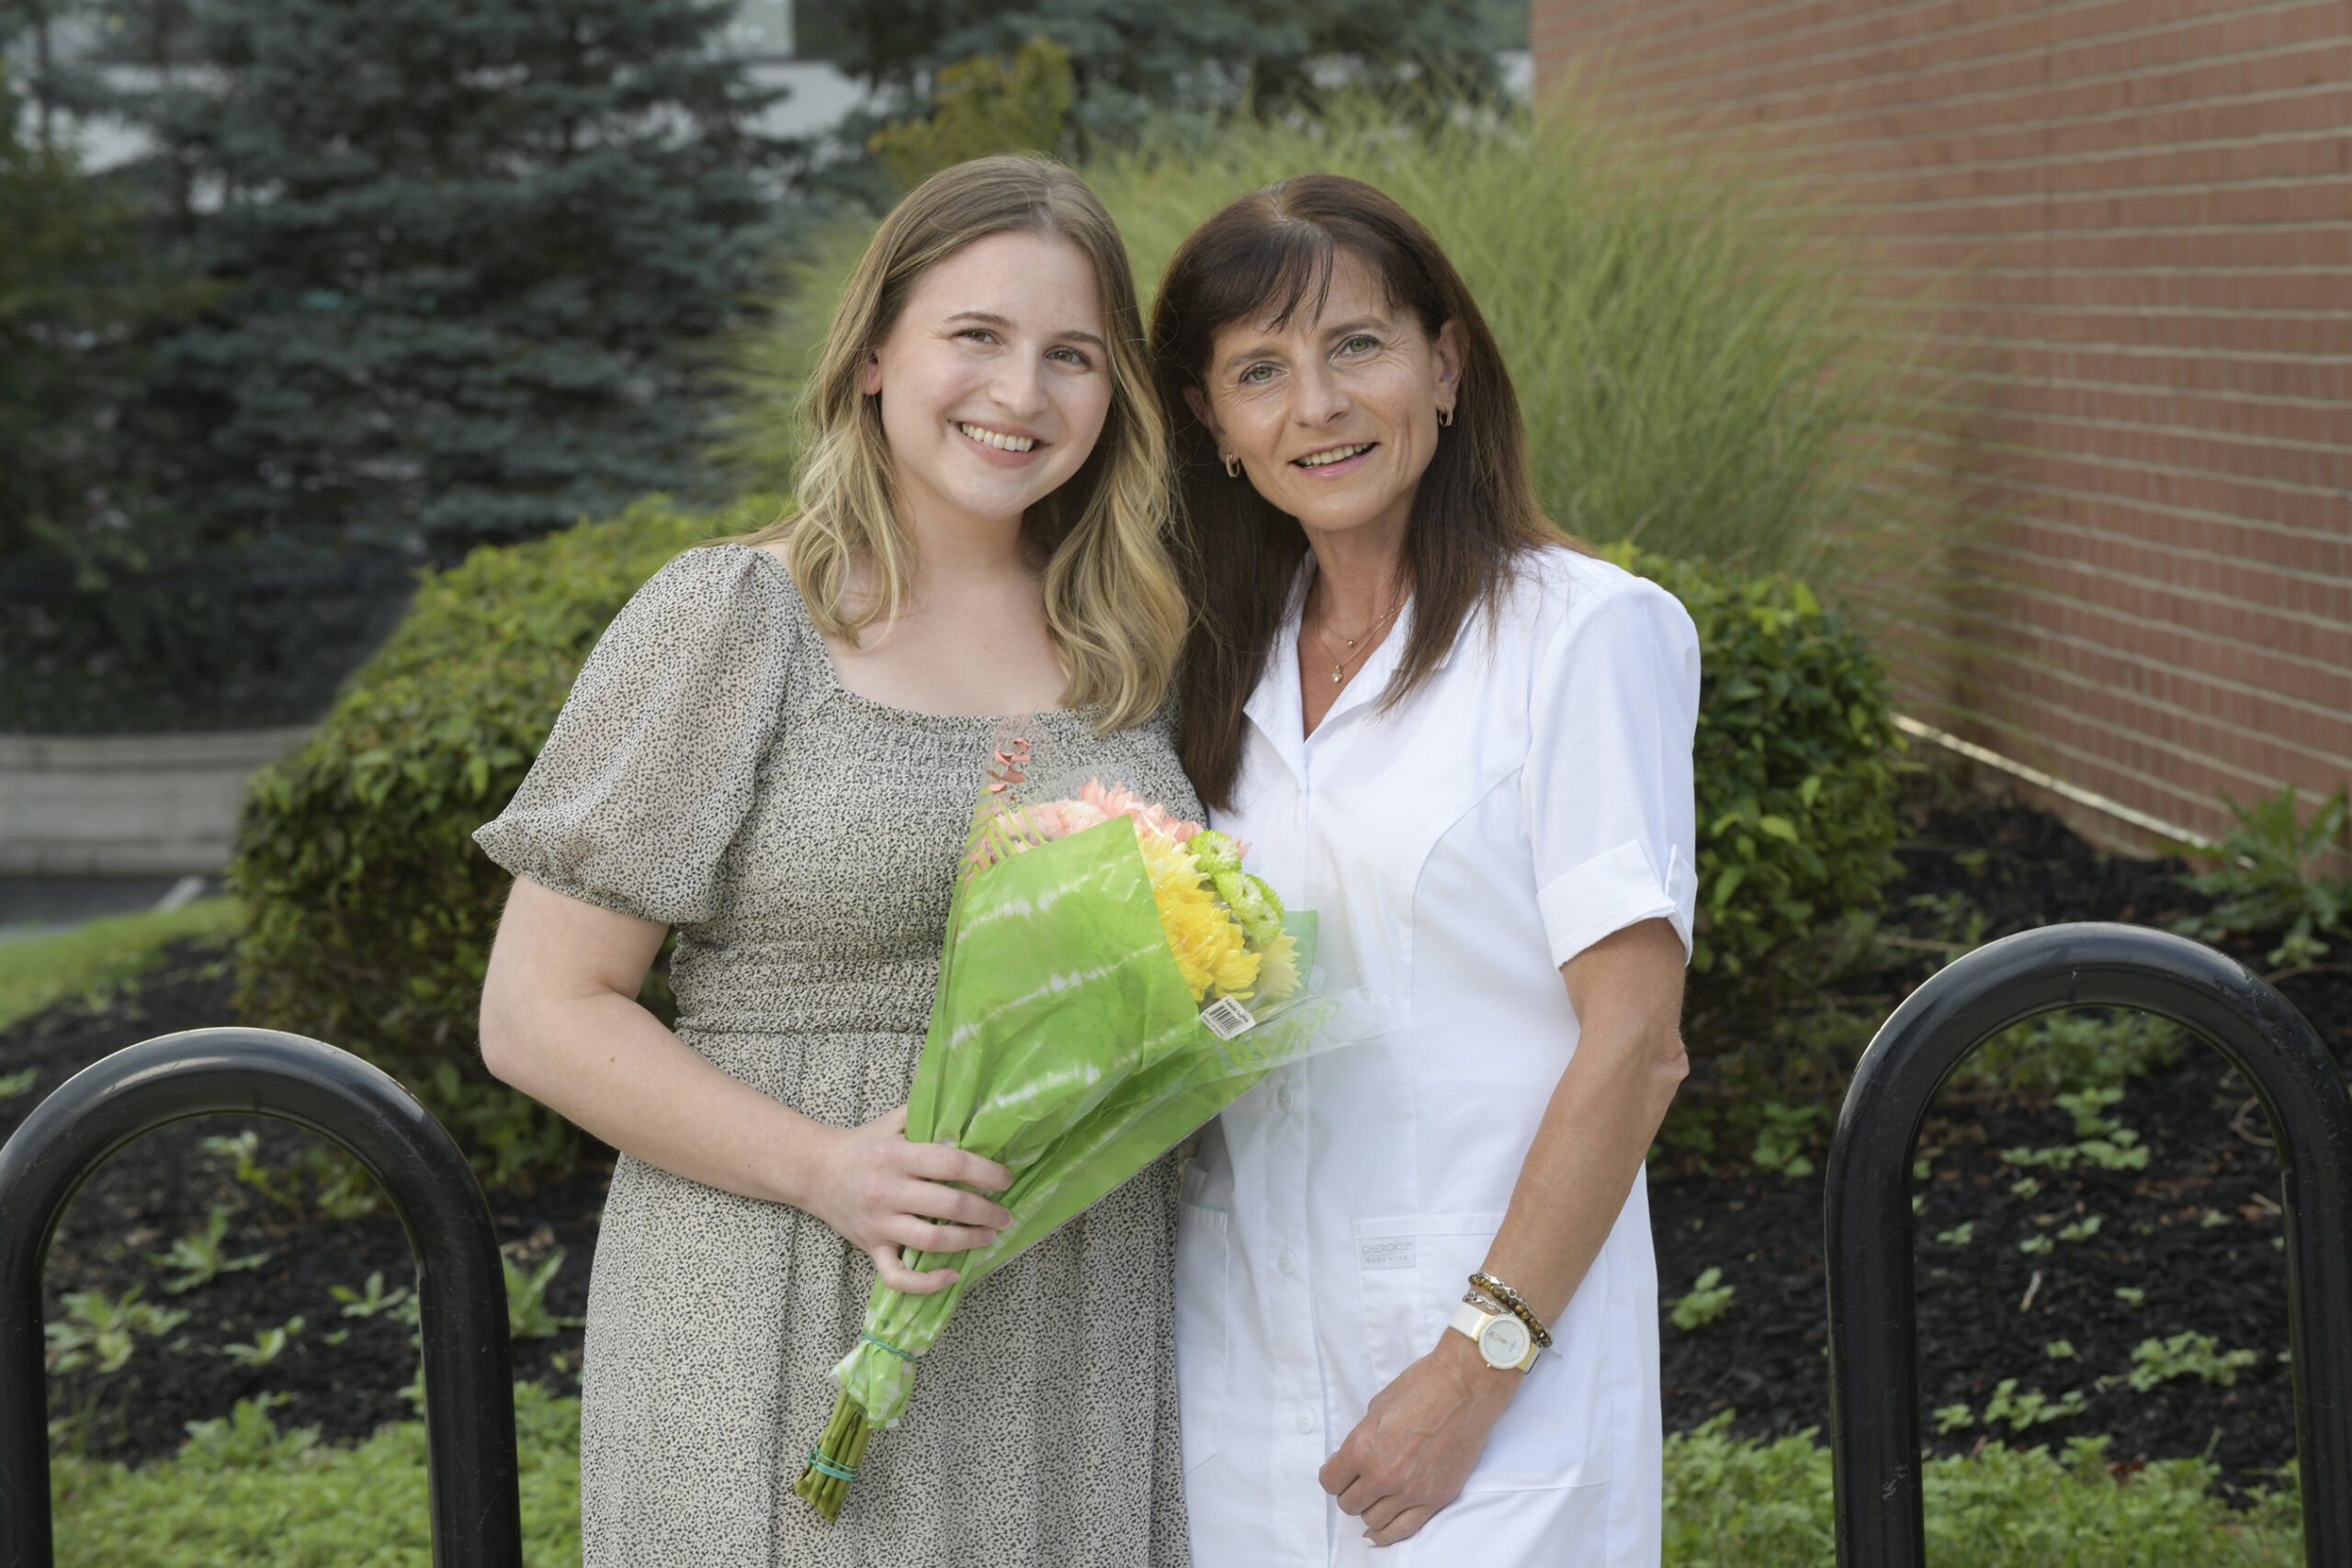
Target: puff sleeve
652,765
1608,783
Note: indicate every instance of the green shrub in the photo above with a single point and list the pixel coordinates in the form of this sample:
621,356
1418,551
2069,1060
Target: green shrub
369,909
985,104
1795,760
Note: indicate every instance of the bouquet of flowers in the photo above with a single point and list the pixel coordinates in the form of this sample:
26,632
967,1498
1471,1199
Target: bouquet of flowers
1111,979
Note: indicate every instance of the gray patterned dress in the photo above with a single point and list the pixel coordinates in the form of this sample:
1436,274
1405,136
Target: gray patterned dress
710,772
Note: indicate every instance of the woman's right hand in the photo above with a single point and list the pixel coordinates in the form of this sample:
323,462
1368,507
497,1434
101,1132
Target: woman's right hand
883,1193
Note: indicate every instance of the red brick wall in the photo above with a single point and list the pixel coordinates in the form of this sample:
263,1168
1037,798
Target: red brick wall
2145,210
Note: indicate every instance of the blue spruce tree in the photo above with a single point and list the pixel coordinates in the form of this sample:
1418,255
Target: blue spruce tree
468,255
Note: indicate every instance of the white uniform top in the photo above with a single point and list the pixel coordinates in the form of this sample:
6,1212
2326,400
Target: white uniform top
1532,797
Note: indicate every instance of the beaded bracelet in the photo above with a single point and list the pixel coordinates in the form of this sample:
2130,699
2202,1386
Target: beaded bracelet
1518,1309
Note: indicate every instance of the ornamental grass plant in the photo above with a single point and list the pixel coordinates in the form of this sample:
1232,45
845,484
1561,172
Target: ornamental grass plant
1702,369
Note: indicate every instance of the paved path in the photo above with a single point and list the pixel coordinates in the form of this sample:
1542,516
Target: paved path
35,905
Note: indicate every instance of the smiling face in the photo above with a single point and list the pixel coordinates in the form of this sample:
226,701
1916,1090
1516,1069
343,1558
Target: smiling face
1333,417
995,380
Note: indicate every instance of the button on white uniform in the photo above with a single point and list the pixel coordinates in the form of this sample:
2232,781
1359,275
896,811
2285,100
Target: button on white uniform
1287,1263
1306,1422
1282,1096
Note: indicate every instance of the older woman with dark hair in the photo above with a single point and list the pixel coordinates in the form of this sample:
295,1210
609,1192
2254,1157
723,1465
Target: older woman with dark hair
1415,1277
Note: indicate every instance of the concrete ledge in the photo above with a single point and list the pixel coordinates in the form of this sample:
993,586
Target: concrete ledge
128,805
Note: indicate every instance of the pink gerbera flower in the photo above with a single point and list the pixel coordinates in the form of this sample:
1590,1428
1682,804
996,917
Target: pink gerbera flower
1118,800
1060,818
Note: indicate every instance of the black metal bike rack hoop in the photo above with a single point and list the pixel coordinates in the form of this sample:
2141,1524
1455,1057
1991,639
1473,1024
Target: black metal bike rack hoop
1873,1349
461,1291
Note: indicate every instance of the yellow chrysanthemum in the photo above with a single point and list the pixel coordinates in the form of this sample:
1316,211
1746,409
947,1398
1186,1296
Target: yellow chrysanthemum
1278,975
1208,943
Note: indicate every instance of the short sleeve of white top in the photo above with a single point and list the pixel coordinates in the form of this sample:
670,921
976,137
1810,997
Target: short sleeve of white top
1530,798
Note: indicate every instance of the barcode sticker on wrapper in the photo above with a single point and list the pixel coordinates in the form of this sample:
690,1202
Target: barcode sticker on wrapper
1227,1019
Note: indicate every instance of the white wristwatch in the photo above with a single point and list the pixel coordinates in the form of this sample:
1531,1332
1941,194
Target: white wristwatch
1501,1338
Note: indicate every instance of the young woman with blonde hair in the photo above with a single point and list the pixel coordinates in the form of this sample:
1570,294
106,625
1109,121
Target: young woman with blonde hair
774,751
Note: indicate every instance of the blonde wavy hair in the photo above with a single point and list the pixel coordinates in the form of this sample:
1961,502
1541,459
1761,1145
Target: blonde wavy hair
1113,604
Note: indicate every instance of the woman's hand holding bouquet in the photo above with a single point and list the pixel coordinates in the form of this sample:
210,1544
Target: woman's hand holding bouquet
1111,977
885,1195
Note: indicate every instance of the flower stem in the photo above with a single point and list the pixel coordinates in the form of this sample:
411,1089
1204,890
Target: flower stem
843,1444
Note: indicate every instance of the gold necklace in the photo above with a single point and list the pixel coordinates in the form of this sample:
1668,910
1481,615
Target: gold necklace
1340,665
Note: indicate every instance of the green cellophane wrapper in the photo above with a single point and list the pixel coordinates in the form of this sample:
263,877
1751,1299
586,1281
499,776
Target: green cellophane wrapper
1065,1045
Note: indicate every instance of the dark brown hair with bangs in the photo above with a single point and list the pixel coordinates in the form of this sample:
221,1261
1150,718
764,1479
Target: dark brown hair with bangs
1265,258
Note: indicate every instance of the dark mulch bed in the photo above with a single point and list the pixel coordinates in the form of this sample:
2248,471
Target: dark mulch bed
2195,1231
1763,1358
166,1186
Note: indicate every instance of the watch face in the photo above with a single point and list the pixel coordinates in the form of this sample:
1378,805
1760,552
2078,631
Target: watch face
1503,1342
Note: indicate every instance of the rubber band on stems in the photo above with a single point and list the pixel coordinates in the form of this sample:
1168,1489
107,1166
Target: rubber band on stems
838,1471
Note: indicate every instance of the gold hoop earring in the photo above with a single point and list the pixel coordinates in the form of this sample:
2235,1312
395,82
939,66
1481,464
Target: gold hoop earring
1445,417
1232,467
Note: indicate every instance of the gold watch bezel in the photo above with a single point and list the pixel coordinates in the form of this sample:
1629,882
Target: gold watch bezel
1485,1323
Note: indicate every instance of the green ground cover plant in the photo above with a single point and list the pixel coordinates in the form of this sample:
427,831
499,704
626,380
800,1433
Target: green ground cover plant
2155,1361
90,959
266,1346
367,1301
1708,1300
2032,1408
2267,882
1731,1504
528,1313
198,1258
104,1329
2076,1049
241,1491
338,1185
1787,1132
